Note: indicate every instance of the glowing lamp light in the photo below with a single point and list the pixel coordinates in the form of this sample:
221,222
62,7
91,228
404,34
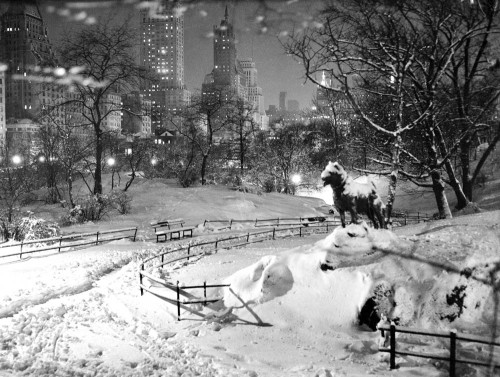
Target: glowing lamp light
41,158
296,179
111,161
16,159
154,161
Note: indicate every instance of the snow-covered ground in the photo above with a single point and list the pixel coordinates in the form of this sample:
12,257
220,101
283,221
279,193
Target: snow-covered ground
291,309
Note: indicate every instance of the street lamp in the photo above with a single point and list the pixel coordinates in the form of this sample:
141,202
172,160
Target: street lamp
296,179
111,163
154,161
16,159
41,159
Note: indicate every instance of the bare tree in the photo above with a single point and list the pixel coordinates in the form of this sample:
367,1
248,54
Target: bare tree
105,55
206,120
402,54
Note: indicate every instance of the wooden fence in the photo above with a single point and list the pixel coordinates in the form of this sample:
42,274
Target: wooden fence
452,358
56,243
189,252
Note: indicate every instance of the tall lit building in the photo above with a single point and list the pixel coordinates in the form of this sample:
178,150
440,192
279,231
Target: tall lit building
231,76
162,51
254,92
3,118
25,48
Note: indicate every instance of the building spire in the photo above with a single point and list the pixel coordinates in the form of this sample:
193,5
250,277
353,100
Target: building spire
226,15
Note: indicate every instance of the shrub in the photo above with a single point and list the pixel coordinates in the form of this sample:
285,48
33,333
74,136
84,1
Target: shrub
28,228
121,201
89,208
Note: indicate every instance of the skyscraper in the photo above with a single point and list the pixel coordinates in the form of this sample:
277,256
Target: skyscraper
231,76
282,101
25,48
227,74
3,119
162,51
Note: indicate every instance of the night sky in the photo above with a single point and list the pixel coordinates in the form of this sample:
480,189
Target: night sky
276,71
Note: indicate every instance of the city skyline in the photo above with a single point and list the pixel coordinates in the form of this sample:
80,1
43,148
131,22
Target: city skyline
277,72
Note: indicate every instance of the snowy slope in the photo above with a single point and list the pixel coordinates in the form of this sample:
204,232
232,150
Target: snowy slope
81,313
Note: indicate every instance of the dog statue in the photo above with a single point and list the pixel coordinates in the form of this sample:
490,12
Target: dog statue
354,197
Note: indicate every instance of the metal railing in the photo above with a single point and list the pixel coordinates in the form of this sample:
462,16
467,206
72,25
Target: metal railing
452,358
244,239
56,243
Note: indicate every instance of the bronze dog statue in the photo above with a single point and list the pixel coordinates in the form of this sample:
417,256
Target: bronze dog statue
354,197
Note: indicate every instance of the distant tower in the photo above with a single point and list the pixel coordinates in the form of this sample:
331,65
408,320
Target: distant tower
162,51
3,118
282,101
24,45
224,52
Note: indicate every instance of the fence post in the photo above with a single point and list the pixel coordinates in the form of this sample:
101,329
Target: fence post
274,232
248,236
453,352
230,224
97,238
216,244
135,233
392,359
300,232
140,279
255,222
189,250
60,242
327,227
178,302
418,217
204,223
205,292
162,257
21,251
278,221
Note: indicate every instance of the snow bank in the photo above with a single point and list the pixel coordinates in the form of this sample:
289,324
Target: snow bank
296,287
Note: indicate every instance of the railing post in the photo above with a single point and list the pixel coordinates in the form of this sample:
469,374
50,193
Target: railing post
204,223
274,233
205,292
135,233
140,279
255,222
162,257
189,250
21,251
230,224
178,302
278,221
300,232
418,217
248,236
392,358
97,238
453,352
60,242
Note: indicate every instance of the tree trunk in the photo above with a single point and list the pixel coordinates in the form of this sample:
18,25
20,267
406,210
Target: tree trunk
393,179
465,162
441,200
70,191
204,169
462,200
98,162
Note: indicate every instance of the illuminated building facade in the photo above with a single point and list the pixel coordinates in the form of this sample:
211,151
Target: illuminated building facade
25,48
162,52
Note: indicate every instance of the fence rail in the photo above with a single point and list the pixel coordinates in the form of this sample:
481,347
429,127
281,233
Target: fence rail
257,237
57,242
452,336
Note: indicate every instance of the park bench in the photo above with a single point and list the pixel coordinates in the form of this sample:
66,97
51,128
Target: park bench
167,223
175,233
171,229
